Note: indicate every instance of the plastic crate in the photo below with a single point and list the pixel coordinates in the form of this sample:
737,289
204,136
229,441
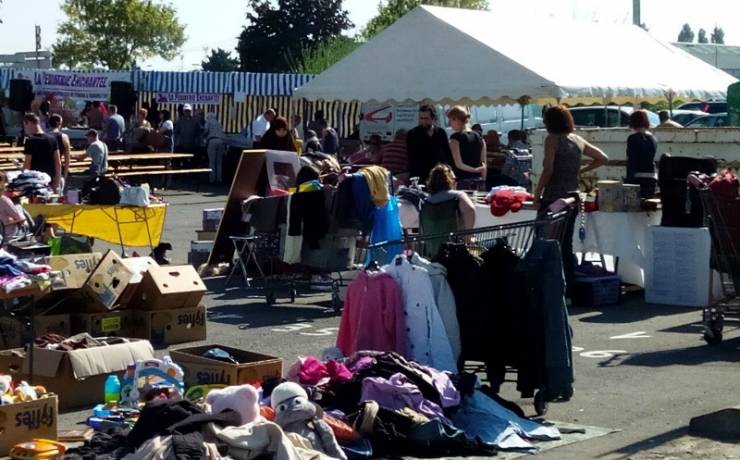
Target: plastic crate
593,291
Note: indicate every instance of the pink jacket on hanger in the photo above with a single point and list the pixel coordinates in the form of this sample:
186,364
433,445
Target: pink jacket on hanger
373,315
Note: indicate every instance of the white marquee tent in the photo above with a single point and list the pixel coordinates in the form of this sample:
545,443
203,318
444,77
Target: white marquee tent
448,55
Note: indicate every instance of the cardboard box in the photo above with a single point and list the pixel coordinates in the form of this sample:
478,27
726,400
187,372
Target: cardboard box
252,367
23,422
204,235
77,376
138,266
117,323
15,333
196,259
74,269
167,327
201,246
106,283
171,286
211,219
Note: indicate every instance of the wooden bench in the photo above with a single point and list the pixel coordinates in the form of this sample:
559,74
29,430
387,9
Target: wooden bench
162,172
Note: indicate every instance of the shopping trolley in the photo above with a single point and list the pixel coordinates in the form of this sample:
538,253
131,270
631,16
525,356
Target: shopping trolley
722,216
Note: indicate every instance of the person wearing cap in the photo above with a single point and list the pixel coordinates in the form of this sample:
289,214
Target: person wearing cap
98,153
187,131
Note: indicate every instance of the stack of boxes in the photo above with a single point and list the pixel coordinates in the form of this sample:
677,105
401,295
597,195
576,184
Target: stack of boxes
200,248
107,296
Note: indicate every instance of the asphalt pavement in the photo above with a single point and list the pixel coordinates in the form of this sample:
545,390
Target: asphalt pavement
641,370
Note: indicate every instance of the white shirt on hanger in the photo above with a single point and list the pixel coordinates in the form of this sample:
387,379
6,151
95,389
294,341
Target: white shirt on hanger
426,342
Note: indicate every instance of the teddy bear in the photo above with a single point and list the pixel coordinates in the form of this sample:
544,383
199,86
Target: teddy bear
244,399
296,414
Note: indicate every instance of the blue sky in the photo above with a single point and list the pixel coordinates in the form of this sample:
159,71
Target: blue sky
218,23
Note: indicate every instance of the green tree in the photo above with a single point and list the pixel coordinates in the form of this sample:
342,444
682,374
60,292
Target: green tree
314,61
116,33
220,60
278,31
686,35
718,36
392,10
702,36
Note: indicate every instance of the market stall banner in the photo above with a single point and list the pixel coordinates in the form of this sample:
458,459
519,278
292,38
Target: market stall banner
89,86
188,98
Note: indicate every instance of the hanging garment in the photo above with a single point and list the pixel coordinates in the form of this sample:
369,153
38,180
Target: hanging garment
398,392
363,203
308,217
465,278
373,317
549,317
481,417
444,298
504,321
377,182
386,227
426,338
292,244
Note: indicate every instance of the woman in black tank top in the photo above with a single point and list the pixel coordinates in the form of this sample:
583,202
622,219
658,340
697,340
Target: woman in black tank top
468,148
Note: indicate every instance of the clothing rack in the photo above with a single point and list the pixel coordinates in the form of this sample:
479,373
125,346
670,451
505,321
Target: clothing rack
518,238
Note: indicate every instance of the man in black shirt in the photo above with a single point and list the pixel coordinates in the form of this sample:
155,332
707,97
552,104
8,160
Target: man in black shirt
41,150
427,144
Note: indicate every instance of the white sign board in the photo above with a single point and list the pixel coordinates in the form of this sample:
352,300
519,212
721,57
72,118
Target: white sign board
63,84
677,271
385,119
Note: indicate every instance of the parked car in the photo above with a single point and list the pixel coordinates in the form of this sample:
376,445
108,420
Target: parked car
707,107
715,120
595,116
683,117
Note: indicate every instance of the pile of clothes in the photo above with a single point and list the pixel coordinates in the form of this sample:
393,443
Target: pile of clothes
505,199
369,405
31,184
16,274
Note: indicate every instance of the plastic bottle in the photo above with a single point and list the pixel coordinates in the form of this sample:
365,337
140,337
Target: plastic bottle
112,389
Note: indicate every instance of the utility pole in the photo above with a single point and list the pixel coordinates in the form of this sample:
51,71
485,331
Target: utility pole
38,46
636,20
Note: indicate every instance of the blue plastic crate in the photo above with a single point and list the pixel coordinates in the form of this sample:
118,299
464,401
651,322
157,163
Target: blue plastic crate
593,291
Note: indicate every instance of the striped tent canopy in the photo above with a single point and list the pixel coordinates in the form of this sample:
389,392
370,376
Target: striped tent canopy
5,76
183,82
268,84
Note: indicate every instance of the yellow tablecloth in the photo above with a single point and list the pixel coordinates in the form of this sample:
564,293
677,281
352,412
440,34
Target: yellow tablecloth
124,225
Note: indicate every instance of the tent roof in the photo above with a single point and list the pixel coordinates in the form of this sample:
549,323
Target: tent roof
450,55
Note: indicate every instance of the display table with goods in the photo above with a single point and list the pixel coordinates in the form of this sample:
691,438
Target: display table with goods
117,224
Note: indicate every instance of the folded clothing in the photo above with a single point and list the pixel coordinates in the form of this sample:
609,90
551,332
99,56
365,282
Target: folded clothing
504,201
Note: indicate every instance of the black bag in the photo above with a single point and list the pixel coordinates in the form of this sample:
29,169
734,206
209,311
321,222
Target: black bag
102,190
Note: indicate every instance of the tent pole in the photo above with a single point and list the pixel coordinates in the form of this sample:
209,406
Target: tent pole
670,103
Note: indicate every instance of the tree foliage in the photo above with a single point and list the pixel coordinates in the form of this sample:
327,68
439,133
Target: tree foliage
686,35
220,60
314,61
718,36
392,10
702,36
278,32
116,33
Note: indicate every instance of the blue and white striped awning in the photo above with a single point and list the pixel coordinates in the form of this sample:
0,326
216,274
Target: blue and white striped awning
5,76
245,83
269,84
183,82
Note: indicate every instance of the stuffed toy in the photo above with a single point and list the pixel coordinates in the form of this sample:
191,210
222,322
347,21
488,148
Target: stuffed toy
244,399
6,389
296,414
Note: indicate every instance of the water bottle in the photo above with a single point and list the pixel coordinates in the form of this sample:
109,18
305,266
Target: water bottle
112,389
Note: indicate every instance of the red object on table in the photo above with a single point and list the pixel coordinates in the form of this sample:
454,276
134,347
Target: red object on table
506,200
